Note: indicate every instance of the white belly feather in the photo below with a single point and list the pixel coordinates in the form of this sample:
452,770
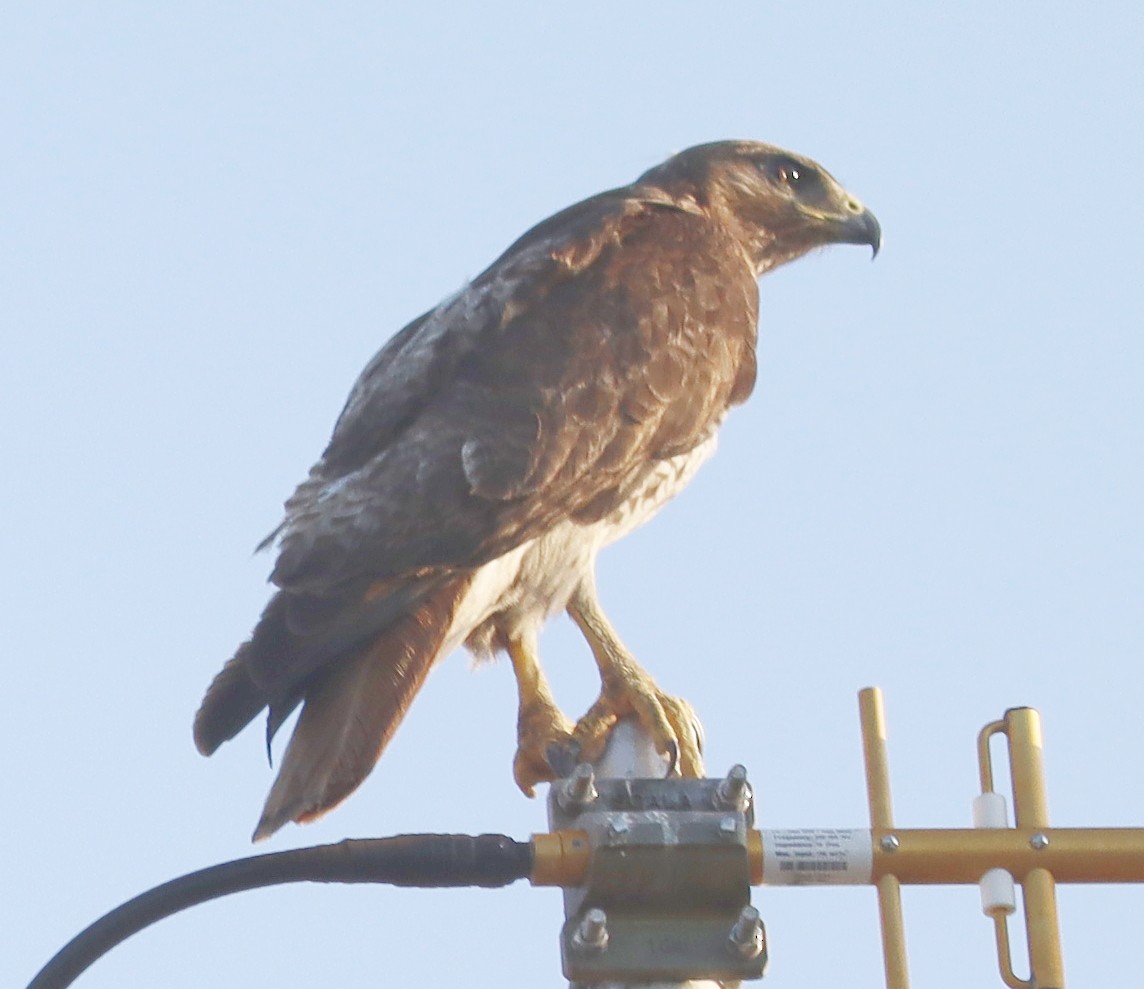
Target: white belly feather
515,593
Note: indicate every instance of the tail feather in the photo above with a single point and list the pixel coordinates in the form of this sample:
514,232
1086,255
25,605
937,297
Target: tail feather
351,711
296,638
232,701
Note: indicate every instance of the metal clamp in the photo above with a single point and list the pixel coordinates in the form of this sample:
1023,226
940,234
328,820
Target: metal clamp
667,894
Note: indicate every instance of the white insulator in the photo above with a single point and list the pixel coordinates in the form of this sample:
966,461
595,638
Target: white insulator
998,895
989,811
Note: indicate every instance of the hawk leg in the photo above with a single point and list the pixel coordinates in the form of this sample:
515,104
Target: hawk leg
546,748
626,688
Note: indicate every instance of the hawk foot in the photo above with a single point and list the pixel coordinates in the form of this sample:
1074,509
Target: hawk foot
670,721
546,748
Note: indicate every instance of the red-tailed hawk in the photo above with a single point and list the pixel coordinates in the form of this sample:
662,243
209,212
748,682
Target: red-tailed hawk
495,444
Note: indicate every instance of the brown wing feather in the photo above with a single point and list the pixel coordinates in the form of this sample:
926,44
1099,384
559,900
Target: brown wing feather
539,365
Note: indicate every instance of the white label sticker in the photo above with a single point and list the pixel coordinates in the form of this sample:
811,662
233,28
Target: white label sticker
817,857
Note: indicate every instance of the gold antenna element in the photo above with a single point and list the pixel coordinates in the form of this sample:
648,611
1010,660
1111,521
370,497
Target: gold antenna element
992,854
1022,727
882,825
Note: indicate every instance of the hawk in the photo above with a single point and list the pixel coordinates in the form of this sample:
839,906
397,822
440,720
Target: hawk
491,449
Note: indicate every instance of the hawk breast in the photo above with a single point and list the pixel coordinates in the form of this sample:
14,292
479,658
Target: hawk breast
519,590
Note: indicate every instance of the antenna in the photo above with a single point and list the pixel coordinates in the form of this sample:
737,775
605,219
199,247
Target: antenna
994,853
684,848
657,872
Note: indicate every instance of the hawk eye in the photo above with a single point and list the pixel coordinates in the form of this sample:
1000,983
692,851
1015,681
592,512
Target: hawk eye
803,181
787,172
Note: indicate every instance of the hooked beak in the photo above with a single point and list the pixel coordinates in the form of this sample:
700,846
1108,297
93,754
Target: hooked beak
859,226
852,224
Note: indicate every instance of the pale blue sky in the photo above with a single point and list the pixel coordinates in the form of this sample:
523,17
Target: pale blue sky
214,213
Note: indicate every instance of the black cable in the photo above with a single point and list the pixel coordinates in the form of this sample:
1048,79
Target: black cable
405,860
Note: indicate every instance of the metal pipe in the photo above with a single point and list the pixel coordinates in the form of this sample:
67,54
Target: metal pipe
1031,807
874,749
920,856
944,856
1000,918
1043,930
873,715
1027,766
631,754
1005,956
984,760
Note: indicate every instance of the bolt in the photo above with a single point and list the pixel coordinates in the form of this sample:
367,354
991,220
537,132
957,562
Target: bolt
747,935
1039,841
890,843
579,790
732,792
618,826
592,932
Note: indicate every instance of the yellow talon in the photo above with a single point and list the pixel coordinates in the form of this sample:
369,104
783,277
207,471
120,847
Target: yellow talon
546,748
626,688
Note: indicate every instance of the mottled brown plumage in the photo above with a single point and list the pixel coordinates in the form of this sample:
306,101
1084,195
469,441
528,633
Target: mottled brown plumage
495,444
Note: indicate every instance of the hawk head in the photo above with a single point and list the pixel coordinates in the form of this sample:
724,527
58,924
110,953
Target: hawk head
776,204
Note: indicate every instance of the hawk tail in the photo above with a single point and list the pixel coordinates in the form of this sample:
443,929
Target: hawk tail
351,707
351,711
